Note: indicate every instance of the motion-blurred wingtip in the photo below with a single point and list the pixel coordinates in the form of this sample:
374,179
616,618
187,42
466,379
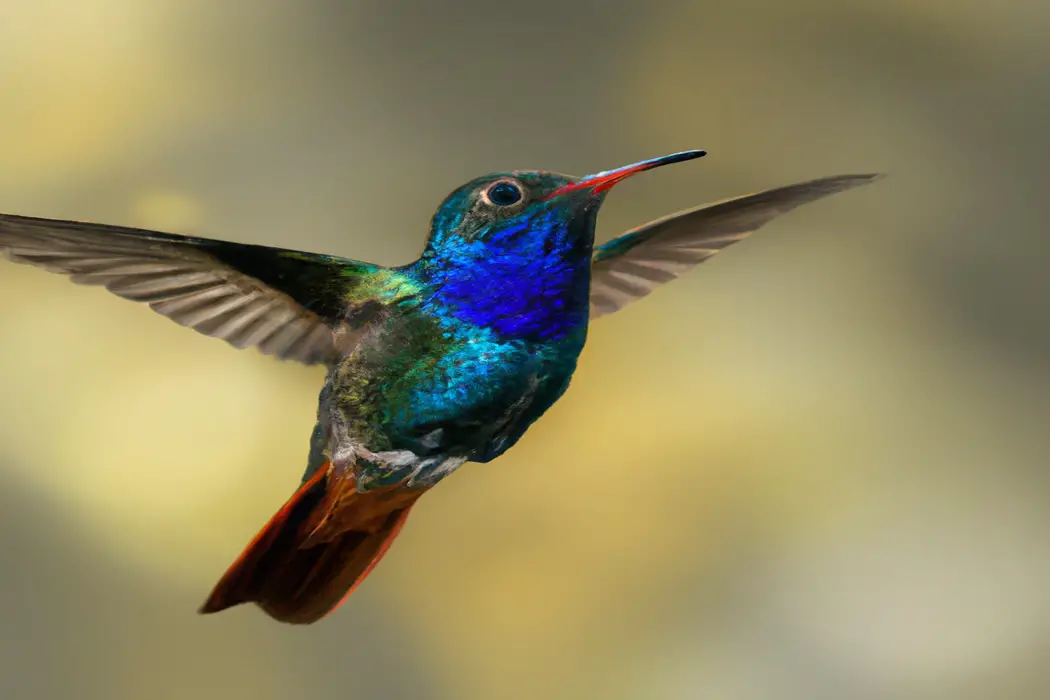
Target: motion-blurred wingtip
841,183
863,178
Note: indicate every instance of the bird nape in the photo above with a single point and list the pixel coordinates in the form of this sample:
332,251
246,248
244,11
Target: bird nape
446,360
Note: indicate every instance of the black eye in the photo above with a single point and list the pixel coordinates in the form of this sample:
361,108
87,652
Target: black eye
504,194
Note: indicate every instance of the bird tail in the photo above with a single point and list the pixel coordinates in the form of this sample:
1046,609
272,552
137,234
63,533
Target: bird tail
296,569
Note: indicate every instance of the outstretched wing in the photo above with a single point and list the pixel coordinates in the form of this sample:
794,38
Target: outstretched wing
629,267
286,303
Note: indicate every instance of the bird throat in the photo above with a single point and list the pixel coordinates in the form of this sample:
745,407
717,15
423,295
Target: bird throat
536,290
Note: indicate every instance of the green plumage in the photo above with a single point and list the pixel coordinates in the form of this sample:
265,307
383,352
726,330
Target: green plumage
442,361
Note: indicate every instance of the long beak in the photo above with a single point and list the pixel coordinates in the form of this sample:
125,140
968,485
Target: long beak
600,182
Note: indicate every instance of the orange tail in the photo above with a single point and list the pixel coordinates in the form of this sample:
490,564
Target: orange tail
298,578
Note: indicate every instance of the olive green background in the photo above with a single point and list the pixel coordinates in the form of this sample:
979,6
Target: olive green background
817,468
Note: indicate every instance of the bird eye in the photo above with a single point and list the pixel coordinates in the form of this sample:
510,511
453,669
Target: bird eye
504,194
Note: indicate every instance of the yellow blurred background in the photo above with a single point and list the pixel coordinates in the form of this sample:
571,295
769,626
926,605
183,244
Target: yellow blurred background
817,468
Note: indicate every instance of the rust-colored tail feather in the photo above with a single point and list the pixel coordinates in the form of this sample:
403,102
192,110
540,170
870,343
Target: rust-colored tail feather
294,577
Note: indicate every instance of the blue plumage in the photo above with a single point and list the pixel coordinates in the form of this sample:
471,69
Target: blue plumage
523,282
447,360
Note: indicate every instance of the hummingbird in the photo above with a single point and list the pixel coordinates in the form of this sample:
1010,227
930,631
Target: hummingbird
446,360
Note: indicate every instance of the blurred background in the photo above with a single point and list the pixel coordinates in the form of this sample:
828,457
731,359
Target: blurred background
816,468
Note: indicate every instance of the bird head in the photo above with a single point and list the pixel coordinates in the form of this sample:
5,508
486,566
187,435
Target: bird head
522,210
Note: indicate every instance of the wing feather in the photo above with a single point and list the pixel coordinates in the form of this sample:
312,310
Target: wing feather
633,265
211,286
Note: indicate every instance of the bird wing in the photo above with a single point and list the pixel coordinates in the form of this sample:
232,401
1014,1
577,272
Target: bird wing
286,303
630,267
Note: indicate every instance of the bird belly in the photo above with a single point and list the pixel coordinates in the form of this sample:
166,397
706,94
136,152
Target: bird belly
479,375
429,415
464,394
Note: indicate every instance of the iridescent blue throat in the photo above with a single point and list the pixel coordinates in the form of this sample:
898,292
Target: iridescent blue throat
526,279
